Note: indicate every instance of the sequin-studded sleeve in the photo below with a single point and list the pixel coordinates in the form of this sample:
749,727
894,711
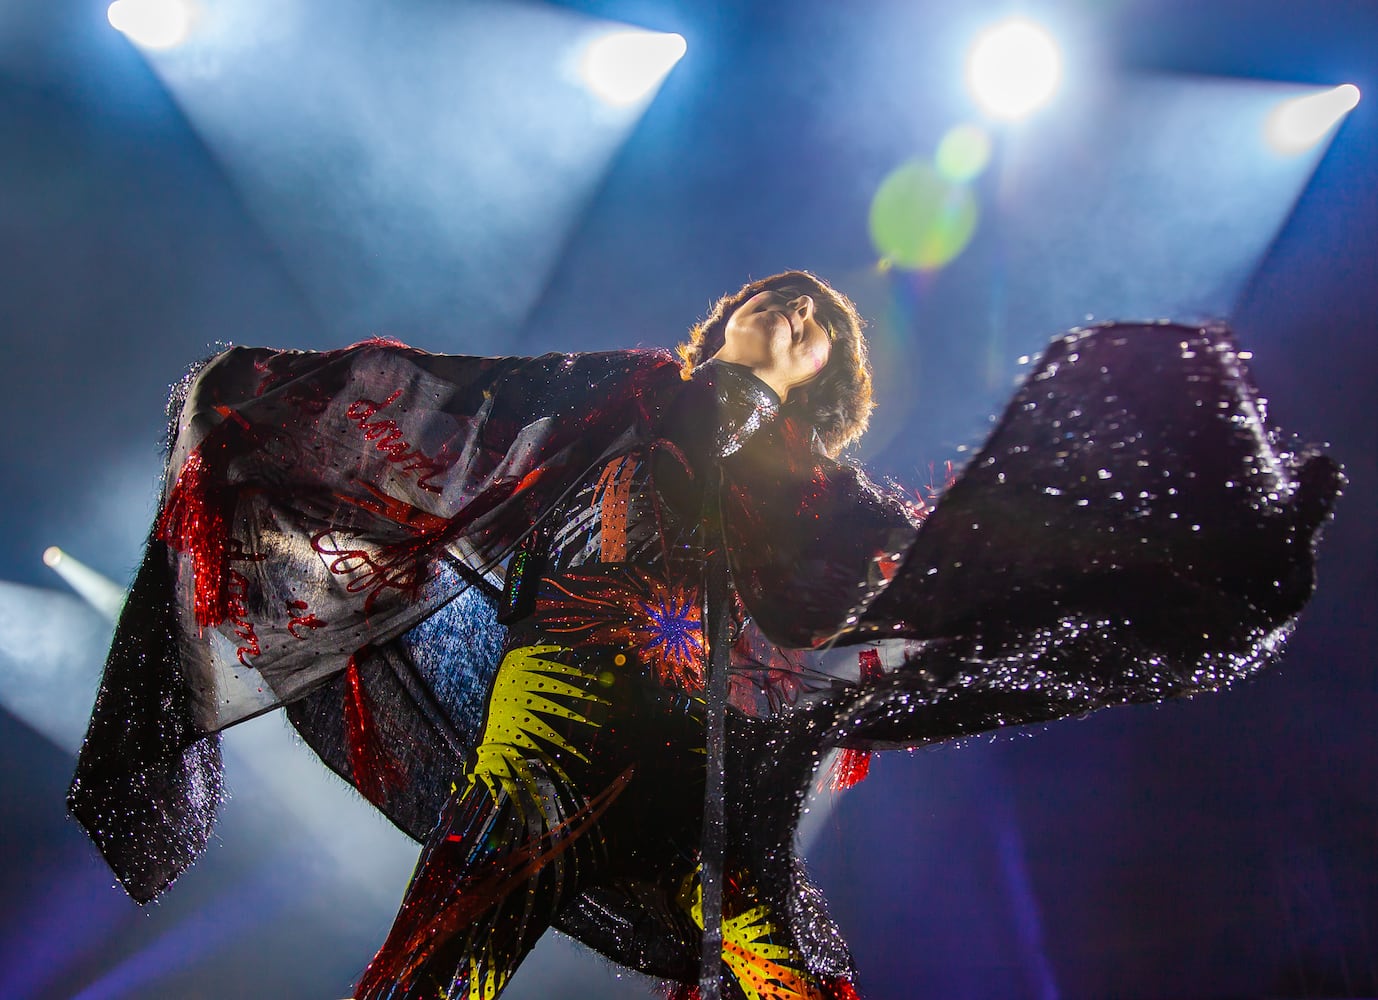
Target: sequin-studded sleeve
810,541
1132,531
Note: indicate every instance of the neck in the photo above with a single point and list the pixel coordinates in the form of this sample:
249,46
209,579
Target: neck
762,368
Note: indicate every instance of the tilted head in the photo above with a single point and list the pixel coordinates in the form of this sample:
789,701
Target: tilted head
803,338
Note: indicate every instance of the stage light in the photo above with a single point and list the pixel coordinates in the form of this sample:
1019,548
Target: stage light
152,24
102,593
1298,124
1013,69
624,66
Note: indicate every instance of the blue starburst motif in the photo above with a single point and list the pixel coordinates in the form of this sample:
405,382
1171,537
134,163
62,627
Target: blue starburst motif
673,632
637,610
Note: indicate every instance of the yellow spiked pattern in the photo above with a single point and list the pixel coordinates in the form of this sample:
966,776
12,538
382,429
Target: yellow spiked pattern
486,979
524,697
764,970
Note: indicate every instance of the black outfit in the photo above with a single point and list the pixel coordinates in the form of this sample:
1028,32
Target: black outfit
339,530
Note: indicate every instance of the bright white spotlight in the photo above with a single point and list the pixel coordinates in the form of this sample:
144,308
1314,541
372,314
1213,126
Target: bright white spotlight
1013,69
1298,124
624,66
152,24
102,593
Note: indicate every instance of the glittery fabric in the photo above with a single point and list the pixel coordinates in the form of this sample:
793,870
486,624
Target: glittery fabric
148,782
1132,531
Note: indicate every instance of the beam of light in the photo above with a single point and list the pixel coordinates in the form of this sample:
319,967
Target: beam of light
217,925
622,67
1024,903
52,646
1014,68
102,593
280,781
1158,202
1298,124
153,24
560,968
819,803
422,172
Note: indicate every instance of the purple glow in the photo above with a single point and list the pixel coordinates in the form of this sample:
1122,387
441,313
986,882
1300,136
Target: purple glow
1028,923
202,933
43,941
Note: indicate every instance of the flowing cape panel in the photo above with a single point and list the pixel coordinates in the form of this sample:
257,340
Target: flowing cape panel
317,506
1132,531
1132,487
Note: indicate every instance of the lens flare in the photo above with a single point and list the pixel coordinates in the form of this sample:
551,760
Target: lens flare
963,153
921,220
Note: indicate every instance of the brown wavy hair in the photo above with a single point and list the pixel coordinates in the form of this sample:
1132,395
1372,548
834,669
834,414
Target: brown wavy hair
837,402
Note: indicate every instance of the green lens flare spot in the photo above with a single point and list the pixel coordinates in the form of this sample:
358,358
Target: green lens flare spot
963,153
920,220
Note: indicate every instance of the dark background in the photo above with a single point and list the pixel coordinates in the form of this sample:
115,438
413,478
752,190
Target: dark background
1222,847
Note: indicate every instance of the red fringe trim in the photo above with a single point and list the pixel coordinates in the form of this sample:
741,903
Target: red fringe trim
842,989
679,991
376,772
852,766
194,522
850,769
379,341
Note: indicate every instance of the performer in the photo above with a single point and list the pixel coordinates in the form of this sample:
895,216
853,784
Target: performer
496,596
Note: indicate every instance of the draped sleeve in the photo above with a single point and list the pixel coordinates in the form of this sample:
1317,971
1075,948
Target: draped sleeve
1133,530
317,506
